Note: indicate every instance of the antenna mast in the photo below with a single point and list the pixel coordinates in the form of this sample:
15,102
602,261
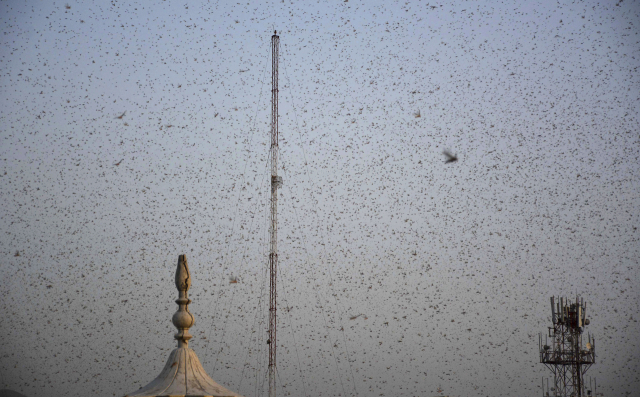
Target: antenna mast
563,351
276,182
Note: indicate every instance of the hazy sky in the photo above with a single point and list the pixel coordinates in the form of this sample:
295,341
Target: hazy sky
450,267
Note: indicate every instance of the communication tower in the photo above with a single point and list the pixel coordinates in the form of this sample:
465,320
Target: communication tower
276,182
563,351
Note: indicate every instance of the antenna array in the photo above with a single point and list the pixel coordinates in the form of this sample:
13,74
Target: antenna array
563,351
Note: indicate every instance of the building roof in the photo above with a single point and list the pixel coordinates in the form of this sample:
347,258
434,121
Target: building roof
183,375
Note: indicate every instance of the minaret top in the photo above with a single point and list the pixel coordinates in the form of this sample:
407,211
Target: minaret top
183,319
183,374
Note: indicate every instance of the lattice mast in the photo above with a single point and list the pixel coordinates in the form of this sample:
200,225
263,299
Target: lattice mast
276,181
563,351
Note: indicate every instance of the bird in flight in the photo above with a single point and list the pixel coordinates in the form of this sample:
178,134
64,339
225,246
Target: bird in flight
122,115
451,158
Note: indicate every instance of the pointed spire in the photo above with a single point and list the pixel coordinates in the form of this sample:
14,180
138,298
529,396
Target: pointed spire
183,374
183,319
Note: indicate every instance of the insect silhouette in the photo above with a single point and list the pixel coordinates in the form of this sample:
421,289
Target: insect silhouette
451,158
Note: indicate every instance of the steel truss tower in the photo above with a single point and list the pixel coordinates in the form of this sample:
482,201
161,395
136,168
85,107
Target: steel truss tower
563,352
276,182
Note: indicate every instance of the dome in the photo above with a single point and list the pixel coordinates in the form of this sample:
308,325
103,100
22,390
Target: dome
183,375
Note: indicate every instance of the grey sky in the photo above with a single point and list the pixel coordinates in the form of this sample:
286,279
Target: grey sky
452,266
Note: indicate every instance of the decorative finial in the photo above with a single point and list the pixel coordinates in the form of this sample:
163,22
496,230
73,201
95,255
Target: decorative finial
183,319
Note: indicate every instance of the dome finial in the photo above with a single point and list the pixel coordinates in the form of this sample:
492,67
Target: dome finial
183,319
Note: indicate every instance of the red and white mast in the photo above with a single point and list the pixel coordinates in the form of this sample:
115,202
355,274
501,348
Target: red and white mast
276,182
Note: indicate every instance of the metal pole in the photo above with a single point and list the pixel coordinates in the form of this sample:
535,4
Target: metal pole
273,252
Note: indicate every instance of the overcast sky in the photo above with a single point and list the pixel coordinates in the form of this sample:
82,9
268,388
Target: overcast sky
447,268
